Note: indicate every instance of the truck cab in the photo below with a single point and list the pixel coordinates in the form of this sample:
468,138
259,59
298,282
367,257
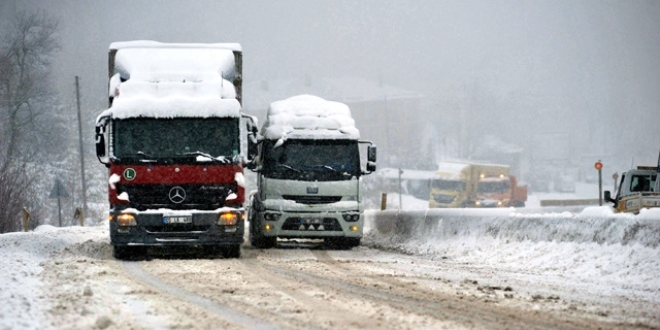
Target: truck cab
308,168
636,190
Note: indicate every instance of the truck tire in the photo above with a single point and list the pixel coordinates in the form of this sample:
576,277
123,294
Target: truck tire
262,242
128,252
232,251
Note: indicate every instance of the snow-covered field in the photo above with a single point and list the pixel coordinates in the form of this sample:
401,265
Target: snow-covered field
592,253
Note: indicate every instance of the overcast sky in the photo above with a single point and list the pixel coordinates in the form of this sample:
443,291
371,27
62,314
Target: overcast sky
587,58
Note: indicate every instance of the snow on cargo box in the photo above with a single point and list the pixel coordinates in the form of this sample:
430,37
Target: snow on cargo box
309,117
145,56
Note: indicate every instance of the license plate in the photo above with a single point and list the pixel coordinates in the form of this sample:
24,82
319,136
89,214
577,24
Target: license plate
177,219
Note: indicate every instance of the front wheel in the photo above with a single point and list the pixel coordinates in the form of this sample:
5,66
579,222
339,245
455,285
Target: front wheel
129,252
262,242
232,251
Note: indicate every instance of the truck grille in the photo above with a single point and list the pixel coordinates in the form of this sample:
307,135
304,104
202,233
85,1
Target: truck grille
203,197
302,224
443,199
305,199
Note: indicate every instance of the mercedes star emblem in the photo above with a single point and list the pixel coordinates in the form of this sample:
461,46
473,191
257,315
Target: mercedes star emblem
177,195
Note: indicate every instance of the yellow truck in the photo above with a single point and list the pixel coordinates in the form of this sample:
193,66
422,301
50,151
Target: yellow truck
638,188
452,185
467,184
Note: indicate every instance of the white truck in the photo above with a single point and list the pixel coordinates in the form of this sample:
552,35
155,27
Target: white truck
309,169
637,189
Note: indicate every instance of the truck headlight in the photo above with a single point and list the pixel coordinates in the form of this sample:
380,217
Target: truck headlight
272,216
351,217
126,219
228,219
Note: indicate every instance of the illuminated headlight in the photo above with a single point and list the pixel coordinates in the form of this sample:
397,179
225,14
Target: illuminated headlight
270,216
228,219
499,203
126,219
477,203
351,217
353,228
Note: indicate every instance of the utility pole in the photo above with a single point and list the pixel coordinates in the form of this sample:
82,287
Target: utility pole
82,156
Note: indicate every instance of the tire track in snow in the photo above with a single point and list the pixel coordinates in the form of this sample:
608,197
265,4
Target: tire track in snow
236,317
441,307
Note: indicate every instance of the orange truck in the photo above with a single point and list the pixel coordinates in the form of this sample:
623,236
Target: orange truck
495,187
470,184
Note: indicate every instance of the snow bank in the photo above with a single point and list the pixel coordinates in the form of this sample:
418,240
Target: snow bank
309,117
593,225
22,255
616,248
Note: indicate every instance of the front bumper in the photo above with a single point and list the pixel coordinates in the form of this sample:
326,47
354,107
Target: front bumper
150,230
308,225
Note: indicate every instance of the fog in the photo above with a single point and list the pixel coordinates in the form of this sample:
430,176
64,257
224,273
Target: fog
507,73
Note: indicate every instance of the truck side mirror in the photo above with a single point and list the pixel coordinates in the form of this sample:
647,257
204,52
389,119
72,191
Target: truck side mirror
252,137
371,158
100,145
607,196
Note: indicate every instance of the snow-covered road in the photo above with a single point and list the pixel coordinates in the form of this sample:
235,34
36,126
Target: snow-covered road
451,269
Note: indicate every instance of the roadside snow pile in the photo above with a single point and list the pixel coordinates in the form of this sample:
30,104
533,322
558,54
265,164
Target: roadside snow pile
22,255
596,243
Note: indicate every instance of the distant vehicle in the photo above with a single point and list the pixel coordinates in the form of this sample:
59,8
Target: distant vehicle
564,183
309,174
452,185
467,184
172,140
638,188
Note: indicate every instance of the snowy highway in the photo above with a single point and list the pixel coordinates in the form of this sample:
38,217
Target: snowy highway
433,269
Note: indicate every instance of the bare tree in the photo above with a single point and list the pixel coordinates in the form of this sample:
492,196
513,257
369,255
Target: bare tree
26,109
27,47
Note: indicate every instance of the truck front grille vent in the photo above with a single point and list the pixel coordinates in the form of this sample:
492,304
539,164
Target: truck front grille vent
305,199
302,224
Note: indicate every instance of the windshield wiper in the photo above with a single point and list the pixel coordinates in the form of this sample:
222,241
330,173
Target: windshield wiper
145,157
327,167
205,155
289,167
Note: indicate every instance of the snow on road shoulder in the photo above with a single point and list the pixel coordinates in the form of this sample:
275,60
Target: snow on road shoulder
22,254
609,252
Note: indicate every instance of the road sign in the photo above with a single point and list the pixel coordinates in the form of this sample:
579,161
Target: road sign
58,190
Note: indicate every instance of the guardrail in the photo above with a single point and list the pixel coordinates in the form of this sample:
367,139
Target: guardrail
568,202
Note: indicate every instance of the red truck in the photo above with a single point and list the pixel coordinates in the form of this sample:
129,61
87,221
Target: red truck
174,140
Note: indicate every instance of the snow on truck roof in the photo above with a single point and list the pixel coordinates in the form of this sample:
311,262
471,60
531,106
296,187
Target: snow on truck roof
309,117
167,80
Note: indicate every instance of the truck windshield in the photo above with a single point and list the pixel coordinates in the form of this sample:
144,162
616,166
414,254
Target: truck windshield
454,185
642,182
490,187
312,160
192,139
